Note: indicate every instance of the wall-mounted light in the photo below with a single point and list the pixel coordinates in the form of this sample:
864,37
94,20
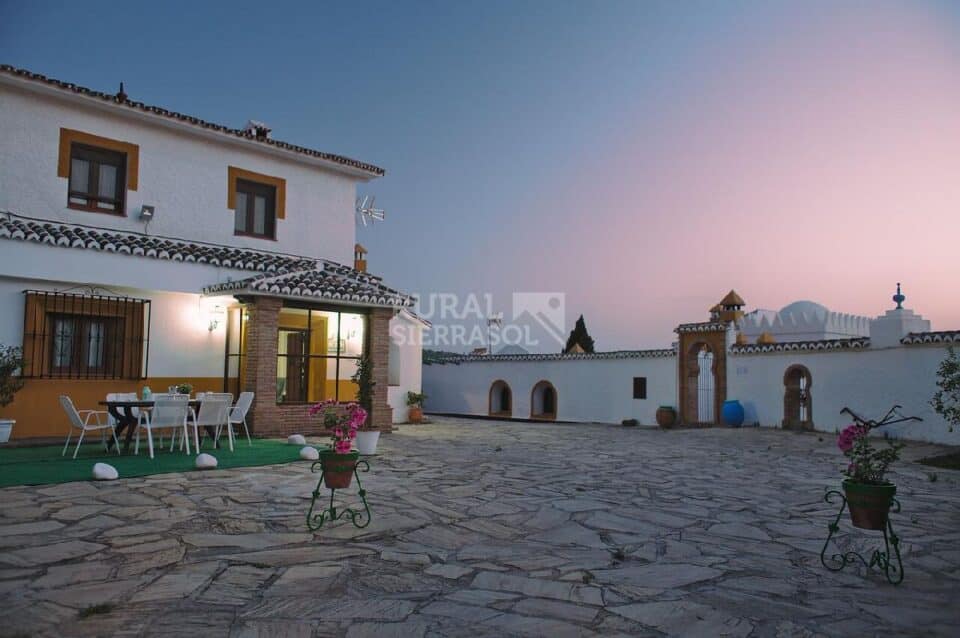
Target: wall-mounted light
216,315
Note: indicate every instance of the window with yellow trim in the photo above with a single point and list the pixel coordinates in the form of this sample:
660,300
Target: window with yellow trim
99,171
257,202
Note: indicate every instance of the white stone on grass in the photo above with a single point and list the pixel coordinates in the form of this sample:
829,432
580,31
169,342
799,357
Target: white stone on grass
296,439
309,453
104,472
206,461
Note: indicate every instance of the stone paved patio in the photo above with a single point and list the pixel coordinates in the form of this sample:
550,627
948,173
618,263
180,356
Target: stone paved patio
485,529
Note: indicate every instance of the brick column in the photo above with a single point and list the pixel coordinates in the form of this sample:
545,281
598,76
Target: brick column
379,348
261,362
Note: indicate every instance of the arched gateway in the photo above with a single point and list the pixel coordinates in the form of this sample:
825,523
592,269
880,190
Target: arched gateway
797,398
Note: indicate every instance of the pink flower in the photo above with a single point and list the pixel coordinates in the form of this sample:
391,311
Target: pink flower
848,437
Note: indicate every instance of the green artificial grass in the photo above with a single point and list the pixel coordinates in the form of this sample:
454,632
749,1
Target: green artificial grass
44,465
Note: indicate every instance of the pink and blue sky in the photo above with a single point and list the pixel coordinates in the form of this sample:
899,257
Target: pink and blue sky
641,157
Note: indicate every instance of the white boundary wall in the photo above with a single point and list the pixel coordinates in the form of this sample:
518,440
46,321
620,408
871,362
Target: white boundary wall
867,381
598,390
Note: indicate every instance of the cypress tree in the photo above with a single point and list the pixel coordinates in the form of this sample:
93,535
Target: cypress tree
579,336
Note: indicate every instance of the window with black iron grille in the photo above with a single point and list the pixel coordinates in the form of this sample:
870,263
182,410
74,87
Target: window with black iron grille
85,336
98,179
639,387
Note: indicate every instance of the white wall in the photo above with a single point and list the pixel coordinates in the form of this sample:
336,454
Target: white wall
406,357
867,381
587,389
184,176
180,342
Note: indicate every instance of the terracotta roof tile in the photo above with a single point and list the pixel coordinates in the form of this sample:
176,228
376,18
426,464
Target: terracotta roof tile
327,281
281,275
819,345
940,336
20,228
617,354
703,326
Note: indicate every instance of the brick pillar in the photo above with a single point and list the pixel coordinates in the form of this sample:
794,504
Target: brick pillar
261,362
379,345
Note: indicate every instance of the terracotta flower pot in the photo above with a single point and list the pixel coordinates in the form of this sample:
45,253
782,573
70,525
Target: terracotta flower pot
666,417
869,504
415,414
338,468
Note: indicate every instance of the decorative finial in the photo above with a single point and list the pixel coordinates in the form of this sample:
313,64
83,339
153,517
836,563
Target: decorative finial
121,94
899,298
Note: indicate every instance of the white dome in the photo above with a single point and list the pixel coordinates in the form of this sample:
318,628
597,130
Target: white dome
809,308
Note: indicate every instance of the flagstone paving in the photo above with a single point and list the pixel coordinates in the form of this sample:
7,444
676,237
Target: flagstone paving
483,528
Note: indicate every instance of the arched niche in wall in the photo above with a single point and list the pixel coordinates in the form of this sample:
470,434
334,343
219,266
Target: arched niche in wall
501,399
543,401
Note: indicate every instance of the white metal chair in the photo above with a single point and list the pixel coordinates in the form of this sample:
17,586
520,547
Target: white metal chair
238,415
169,411
80,419
214,411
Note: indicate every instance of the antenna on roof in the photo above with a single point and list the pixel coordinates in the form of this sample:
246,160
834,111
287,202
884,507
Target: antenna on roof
365,209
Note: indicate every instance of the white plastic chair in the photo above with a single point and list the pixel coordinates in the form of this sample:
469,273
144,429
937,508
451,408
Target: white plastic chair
80,419
214,411
169,411
238,415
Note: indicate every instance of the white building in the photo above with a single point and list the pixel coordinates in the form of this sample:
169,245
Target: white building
781,380
143,247
803,321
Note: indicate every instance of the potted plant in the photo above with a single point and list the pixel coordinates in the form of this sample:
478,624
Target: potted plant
343,421
666,416
369,434
11,361
869,495
184,388
415,406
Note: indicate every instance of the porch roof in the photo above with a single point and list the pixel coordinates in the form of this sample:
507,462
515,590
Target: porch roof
327,281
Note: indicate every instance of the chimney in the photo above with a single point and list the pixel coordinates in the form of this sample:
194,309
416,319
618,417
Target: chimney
359,258
257,129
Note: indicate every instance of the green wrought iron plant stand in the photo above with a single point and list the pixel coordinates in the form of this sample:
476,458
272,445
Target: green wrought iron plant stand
887,560
359,517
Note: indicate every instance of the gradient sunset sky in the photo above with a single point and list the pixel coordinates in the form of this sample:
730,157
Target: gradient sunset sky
641,157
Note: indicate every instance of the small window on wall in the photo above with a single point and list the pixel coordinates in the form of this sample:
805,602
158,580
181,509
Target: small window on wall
255,212
97,179
639,387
